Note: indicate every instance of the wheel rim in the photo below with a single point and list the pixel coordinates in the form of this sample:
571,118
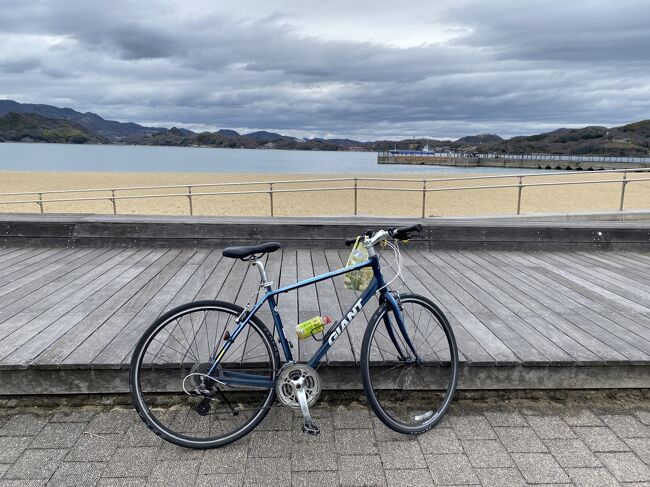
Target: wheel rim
412,394
182,345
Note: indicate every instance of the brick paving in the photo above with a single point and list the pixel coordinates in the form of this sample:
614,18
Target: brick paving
534,443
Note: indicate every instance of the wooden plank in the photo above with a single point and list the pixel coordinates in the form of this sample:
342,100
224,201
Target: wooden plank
51,281
39,270
590,284
23,267
637,256
203,262
115,353
637,325
491,305
575,337
462,286
45,329
75,336
605,271
471,335
288,302
128,315
307,301
589,314
626,263
5,251
25,309
233,283
20,255
329,305
186,293
634,330
213,284
23,325
412,284
483,334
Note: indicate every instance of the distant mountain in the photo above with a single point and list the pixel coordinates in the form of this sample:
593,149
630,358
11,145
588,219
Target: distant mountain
479,139
26,122
29,127
228,133
264,136
628,140
109,129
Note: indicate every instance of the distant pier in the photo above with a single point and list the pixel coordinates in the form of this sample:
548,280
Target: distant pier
523,161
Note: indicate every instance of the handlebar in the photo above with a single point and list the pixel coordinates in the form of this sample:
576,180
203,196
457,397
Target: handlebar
400,233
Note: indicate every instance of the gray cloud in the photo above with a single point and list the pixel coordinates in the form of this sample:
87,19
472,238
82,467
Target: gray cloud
370,71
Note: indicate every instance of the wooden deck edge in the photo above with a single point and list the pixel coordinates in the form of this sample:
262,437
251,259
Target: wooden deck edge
193,232
115,381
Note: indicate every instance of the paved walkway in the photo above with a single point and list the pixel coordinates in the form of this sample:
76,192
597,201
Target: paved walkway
525,444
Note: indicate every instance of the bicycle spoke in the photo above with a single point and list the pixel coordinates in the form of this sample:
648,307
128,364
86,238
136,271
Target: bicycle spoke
393,387
174,362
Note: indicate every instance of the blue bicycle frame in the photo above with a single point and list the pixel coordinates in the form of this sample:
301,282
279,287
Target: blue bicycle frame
332,334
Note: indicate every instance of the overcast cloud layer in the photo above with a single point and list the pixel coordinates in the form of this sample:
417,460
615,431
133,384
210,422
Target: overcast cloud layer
362,69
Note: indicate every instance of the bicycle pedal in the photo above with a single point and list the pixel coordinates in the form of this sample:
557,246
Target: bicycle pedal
311,429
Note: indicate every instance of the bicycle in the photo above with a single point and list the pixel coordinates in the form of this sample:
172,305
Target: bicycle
206,373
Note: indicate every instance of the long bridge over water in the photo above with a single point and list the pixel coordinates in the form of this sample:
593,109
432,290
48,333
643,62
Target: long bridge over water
524,161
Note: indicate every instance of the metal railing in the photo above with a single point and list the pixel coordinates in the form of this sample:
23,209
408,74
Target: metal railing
424,186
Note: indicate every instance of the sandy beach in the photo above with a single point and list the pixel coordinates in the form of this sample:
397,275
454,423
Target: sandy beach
592,197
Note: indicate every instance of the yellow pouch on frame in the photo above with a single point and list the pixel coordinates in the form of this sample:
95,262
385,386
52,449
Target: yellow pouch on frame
357,280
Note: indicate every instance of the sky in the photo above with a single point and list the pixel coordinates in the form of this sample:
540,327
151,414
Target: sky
359,69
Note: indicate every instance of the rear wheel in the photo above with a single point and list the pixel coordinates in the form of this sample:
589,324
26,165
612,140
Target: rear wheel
409,387
168,382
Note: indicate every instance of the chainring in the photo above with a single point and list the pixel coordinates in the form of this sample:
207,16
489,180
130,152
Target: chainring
284,385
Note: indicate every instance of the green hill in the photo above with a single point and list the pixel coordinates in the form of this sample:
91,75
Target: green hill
628,140
29,127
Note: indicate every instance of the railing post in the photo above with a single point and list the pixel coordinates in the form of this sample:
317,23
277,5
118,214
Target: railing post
40,201
189,197
623,184
271,197
355,196
519,195
424,197
113,201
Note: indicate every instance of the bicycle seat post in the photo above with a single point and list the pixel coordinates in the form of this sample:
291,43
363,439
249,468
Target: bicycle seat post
264,282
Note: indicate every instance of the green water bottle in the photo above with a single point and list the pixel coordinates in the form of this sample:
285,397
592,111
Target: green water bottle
312,326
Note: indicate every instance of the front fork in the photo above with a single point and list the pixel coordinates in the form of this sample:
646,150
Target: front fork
392,302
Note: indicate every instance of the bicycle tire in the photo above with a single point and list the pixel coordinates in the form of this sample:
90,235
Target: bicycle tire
381,360
135,374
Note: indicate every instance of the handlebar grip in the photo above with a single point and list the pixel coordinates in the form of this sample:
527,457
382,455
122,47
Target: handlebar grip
406,230
350,241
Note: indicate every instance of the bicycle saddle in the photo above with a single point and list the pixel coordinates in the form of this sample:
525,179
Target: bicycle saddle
244,251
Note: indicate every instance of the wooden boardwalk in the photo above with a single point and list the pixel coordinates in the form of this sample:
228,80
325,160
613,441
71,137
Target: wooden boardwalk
85,307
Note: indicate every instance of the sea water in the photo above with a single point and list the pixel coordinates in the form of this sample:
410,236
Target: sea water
123,158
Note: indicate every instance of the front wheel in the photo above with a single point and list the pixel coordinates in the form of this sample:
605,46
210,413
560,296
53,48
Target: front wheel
409,373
